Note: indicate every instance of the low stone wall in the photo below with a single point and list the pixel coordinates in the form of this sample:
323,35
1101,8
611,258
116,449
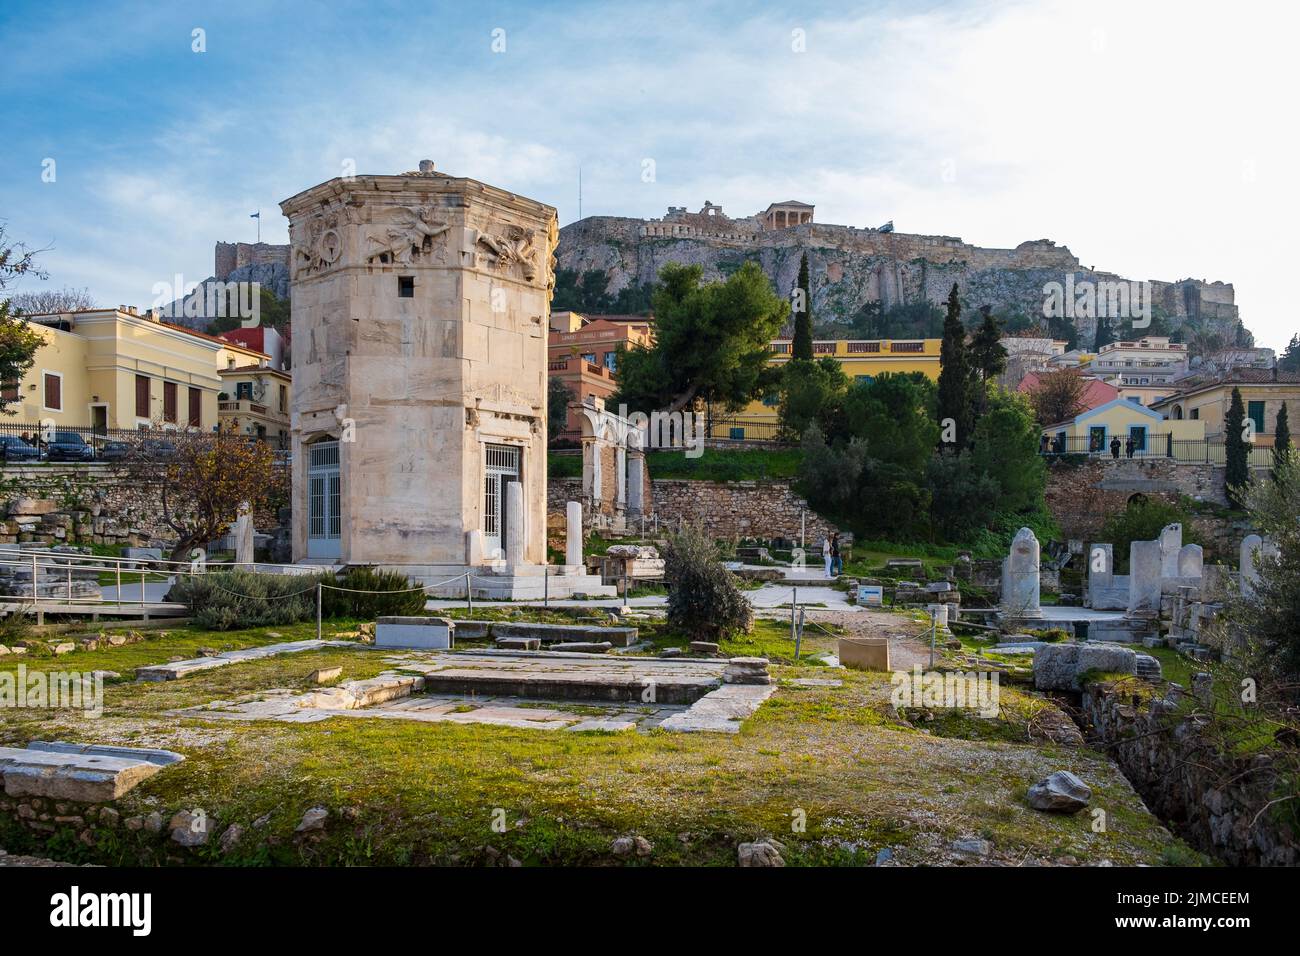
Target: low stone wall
92,503
725,509
1216,801
1082,495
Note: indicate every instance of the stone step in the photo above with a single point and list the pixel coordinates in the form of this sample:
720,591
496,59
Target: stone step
82,772
587,684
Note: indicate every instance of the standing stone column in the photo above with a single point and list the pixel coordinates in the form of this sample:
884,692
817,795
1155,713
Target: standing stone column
1101,571
1251,545
1020,584
636,483
1171,542
1191,561
514,524
243,534
573,534
620,459
1145,564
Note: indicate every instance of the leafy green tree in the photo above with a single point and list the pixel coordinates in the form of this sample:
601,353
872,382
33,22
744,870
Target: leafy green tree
893,414
960,495
1236,451
956,412
1266,624
1105,333
987,354
1062,328
1289,360
704,600
1142,520
712,342
802,346
812,392
18,340
1281,440
1006,450
558,396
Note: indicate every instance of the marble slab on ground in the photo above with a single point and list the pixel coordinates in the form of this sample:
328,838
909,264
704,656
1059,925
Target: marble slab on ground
175,670
81,772
395,696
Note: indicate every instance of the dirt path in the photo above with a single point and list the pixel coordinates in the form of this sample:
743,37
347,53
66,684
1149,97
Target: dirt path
909,641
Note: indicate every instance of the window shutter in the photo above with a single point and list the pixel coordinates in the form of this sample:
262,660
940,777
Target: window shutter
142,396
53,394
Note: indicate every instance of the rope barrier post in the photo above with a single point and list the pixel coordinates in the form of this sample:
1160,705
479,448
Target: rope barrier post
798,636
546,585
318,603
794,603
118,567
625,584
469,595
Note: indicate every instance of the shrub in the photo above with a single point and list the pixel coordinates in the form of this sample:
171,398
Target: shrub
396,597
234,600
14,627
704,601
1143,520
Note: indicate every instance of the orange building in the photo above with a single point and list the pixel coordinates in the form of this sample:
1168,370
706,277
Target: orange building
583,353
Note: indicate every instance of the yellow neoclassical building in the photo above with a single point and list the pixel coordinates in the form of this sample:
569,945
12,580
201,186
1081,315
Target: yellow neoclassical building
119,368
861,359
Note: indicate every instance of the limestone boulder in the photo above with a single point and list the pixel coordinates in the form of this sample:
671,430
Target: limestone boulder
1060,792
760,853
1059,666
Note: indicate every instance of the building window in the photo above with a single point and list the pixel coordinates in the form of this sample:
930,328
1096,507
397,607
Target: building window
1255,412
589,358
196,407
169,402
737,434
611,361
54,391
142,396
406,287
10,391
284,399
244,391
771,401
1196,413
1137,434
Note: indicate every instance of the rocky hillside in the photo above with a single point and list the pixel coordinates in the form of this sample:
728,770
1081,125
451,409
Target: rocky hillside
851,267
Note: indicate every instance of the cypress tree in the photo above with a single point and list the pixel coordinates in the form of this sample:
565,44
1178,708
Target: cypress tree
987,353
955,412
1105,334
1236,451
802,347
1281,440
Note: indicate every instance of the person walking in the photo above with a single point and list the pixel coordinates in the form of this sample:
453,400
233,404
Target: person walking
837,561
826,554
1129,447
1114,448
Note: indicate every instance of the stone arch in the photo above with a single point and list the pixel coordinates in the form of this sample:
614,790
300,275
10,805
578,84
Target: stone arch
1137,498
1178,413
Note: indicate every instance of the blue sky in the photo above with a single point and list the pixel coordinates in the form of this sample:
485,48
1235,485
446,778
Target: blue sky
1156,140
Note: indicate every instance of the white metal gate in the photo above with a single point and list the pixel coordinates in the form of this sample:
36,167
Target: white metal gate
324,526
501,465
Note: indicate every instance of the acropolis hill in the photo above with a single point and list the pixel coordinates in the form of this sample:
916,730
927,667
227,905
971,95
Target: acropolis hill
851,266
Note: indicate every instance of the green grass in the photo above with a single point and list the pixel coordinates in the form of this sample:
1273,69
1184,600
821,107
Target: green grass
403,792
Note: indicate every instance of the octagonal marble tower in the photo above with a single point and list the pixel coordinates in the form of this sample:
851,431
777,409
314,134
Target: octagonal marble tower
421,305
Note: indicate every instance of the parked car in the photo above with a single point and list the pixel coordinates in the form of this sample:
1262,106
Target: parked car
69,446
13,448
114,451
158,449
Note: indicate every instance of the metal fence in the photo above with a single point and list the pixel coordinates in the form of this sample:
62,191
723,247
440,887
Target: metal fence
1188,451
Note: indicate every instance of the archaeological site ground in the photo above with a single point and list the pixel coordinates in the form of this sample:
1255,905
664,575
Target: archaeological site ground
416,497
